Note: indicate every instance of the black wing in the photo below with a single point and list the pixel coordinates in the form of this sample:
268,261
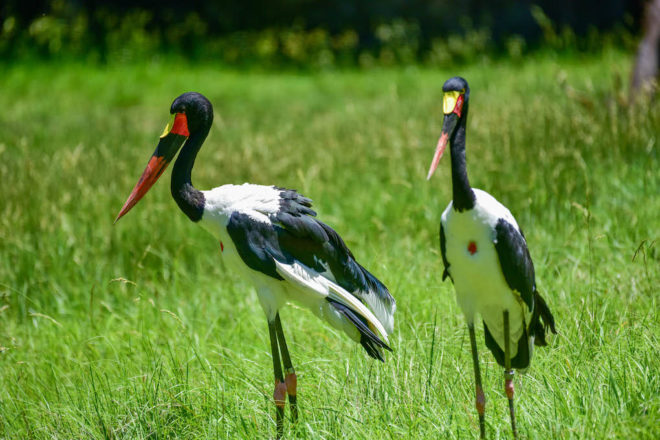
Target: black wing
443,252
515,261
317,245
518,270
260,242
256,243
294,234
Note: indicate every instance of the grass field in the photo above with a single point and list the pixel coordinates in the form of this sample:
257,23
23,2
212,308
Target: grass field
138,331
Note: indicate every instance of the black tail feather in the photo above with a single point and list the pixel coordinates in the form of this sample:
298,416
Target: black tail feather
368,339
522,357
371,348
542,319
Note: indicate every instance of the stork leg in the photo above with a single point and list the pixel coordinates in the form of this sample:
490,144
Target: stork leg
279,395
480,397
508,373
290,379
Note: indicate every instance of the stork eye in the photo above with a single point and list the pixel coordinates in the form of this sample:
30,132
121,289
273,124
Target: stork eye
168,127
449,101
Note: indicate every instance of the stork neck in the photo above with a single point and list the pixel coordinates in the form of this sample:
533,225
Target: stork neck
463,195
190,200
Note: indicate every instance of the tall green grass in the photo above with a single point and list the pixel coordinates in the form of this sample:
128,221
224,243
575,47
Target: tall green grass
138,331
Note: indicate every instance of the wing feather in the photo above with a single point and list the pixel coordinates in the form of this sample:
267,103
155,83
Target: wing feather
318,246
443,252
515,261
292,234
311,281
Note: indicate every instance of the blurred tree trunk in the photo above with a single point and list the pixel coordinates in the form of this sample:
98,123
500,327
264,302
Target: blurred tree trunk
645,73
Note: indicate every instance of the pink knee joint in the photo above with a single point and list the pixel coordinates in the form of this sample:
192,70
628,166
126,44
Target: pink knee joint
508,383
280,394
508,387
291,381
481,401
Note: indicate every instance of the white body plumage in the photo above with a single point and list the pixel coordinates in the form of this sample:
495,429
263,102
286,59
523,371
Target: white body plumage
478,279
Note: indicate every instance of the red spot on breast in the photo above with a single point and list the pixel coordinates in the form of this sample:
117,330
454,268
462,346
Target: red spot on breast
222,247
472,248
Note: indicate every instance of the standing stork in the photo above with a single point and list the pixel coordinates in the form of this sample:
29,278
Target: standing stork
270,236
485,254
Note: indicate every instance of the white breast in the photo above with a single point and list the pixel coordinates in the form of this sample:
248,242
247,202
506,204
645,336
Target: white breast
256,201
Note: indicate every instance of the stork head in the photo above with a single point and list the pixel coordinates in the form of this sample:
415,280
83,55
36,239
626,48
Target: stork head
197,108
192,114
454,106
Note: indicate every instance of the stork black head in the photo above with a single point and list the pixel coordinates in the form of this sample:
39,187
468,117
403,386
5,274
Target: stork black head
198,110
456,93
193,115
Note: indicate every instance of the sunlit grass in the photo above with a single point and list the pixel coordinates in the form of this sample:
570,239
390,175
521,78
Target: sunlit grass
138,331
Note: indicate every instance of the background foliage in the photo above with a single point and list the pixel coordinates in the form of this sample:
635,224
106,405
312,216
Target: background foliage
311,34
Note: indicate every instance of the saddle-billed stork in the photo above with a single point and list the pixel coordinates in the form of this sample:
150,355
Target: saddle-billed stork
271,236
484,253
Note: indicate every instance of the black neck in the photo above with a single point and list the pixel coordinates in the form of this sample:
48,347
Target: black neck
463,195
189,199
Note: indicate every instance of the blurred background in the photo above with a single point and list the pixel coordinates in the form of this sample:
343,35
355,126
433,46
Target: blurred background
313,34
